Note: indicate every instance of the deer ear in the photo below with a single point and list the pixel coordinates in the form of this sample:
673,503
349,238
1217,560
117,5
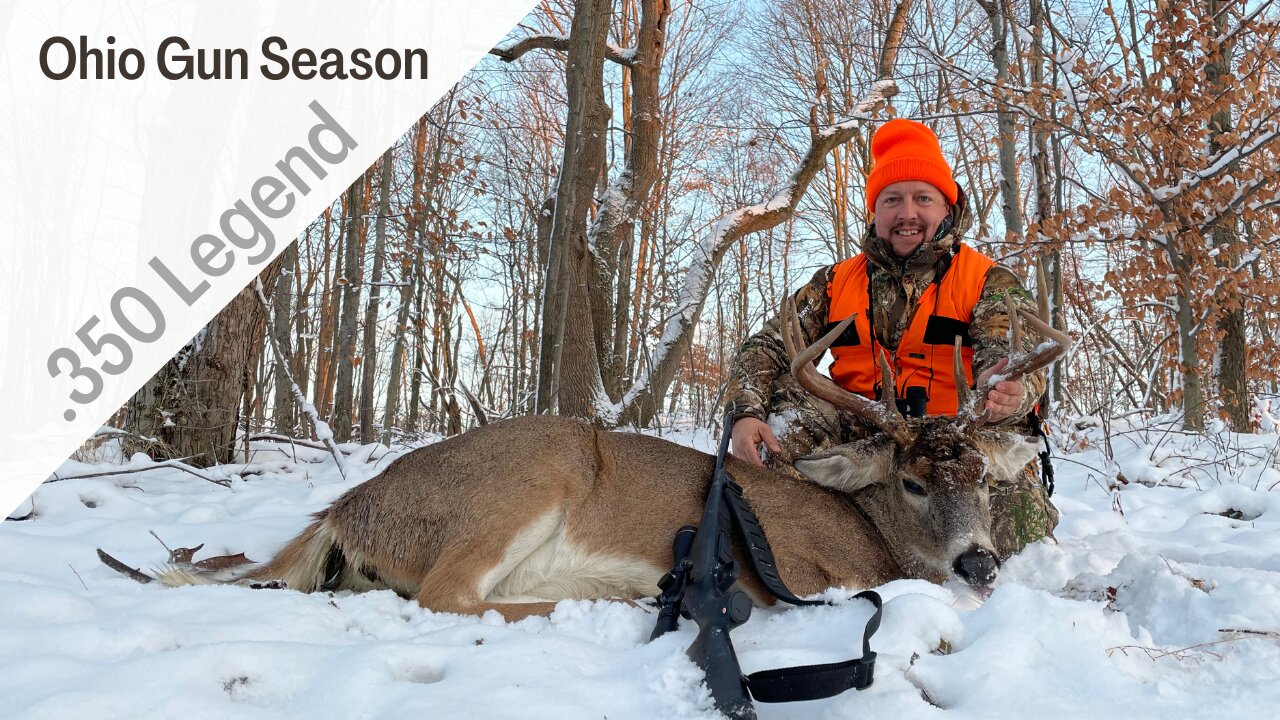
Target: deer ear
1007,453
848,468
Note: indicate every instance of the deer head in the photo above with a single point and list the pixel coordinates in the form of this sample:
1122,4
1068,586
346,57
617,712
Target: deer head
924,482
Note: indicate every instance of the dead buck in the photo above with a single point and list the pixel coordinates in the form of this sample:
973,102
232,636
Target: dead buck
517,515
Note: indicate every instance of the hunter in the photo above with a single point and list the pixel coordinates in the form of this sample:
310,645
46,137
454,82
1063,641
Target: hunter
915,287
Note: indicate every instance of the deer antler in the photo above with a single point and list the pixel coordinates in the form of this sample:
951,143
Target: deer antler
1055,345
883,415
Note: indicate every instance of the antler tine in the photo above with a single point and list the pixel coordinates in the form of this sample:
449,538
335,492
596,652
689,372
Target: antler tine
792,336
963,396
1015,327
888,385
1055,345
824,387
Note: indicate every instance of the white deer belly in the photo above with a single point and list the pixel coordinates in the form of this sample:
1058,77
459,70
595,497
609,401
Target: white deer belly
542,565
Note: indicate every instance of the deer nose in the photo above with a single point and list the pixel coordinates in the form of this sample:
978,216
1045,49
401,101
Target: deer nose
977,566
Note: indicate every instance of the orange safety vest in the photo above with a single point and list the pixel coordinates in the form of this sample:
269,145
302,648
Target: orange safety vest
924,357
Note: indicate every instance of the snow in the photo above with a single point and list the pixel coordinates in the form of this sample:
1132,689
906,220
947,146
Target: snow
1160,599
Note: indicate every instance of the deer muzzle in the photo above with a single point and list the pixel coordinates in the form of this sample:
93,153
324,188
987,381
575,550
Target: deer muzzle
977,566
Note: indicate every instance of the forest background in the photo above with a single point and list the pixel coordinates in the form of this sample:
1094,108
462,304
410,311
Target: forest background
596,216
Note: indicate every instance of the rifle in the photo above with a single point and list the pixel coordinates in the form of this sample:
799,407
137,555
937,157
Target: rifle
700,586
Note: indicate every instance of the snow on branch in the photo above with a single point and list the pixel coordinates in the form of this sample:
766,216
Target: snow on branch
323,433
511,51
1192,179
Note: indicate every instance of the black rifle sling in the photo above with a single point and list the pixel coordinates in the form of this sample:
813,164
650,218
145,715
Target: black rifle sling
802,682
758,546
1046,455
814,682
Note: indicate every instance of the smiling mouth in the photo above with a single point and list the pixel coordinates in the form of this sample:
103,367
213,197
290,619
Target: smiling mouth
908,232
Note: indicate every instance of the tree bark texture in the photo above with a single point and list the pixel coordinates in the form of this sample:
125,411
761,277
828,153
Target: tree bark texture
192,405
349,290
285,411
1233,388
369,344
1010,199
569,375
611,235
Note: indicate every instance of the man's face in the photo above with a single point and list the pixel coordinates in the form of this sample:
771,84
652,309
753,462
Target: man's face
908,213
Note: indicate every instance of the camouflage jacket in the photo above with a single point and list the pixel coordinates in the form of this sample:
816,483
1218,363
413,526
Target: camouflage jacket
895,289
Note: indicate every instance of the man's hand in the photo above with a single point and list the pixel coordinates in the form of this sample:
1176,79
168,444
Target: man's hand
1002,401
747,434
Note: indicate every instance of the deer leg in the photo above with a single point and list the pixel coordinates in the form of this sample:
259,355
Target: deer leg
464,576
511,612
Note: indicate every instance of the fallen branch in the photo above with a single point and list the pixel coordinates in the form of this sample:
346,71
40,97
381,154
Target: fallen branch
132,573
167,464
1272,634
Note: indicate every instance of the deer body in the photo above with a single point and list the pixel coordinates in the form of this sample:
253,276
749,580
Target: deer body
520,514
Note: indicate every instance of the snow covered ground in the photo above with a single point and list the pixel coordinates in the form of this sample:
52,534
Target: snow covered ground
1161,599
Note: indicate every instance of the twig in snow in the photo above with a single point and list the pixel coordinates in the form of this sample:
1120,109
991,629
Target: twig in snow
73,570
1178,653
1272,634
172,464
132,573
162,543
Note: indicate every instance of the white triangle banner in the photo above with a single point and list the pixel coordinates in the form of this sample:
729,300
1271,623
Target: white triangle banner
154,156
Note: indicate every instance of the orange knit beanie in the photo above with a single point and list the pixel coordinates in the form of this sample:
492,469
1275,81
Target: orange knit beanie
907,150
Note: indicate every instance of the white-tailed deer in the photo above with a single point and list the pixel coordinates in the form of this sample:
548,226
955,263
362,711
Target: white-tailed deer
517,515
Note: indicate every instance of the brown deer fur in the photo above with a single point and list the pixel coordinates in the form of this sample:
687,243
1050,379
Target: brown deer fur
517,515
520,514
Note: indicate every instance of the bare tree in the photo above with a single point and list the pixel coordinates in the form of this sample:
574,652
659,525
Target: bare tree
369,344
284,415
349,283
193,404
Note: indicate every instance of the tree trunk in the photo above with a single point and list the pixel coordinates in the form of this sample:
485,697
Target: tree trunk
408,278
330,303
1233,387
1006,139
193,403
284,415
304,281
611,235
569,371
1188,341
369,346
344,346
1049,284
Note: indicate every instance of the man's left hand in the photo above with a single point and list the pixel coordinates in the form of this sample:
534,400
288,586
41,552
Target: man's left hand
1005,397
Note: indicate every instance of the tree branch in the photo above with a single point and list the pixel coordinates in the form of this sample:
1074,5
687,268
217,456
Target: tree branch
511,52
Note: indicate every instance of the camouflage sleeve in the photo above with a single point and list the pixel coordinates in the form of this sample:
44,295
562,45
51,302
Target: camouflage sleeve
763,357
990,333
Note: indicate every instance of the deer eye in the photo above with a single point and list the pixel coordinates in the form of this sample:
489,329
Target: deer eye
912,487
